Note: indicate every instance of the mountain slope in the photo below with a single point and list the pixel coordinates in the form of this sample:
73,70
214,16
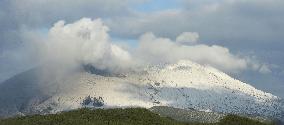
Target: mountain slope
128,116
182,85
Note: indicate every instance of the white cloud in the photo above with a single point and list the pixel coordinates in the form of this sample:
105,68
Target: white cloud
87,42
240,25
84,42
264,69
188,37
156,50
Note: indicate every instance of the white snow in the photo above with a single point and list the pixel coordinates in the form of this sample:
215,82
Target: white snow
182,85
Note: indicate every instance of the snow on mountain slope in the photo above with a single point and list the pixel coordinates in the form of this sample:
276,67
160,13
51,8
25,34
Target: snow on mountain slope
181,85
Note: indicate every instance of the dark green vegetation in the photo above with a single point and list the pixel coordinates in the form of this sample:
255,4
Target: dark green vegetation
130,116
237,120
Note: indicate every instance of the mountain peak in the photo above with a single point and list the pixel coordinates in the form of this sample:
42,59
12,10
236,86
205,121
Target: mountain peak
185,85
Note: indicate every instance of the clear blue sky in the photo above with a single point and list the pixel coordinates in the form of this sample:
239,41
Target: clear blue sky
156,5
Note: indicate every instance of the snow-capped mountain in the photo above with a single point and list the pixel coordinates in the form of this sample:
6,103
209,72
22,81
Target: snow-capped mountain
184,85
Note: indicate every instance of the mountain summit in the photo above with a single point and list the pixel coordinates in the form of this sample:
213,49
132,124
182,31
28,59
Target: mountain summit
185,85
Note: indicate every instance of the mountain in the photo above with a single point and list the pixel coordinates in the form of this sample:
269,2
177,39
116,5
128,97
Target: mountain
185,85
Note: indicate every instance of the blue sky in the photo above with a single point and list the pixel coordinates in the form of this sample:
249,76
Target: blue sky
157,5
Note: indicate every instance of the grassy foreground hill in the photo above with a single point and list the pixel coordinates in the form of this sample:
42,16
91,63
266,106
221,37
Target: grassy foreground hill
129,116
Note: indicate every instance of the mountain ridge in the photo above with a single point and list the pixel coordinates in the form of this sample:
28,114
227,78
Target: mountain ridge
182,85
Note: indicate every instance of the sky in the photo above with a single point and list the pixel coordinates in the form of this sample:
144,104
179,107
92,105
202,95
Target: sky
243,38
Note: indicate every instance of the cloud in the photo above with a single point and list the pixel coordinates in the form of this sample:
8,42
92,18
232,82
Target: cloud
188,37
39,13
236,25
20,19
264,69
231,23
85,41
240,25
259,66
157,50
